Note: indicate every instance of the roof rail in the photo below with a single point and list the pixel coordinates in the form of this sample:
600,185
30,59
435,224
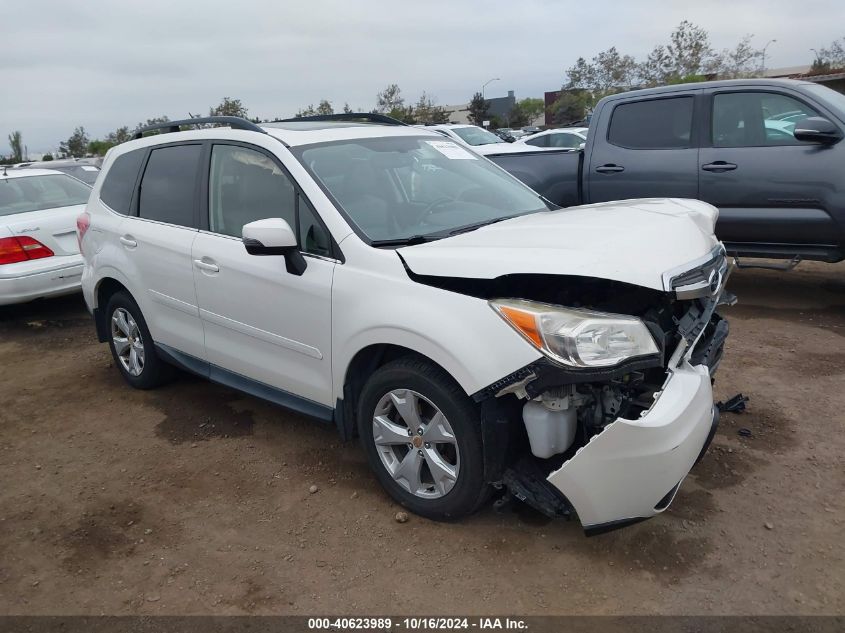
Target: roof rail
234,122
363,117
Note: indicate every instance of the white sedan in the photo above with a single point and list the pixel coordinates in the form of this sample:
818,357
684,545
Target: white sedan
565,138
39,251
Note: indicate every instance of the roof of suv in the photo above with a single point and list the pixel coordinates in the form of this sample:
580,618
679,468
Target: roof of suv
306,132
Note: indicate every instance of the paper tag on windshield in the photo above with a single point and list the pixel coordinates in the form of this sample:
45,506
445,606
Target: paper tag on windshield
451,150
86,168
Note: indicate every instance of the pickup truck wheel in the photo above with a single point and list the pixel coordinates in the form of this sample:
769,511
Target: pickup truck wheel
132,345
422,438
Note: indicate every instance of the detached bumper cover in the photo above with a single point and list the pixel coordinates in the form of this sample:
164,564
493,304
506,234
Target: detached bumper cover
632,469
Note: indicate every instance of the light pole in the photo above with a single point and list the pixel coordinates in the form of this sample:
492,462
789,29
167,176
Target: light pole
485,85
763,55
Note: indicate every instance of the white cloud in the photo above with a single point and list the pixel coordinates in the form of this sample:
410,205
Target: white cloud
103,64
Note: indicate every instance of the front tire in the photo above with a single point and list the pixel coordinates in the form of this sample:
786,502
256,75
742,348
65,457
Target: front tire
132,345
422,437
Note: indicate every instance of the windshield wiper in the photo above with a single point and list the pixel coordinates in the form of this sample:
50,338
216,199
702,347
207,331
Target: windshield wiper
405,241
472,227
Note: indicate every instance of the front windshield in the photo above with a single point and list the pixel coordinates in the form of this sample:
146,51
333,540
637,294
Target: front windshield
473,135
34,193
405,188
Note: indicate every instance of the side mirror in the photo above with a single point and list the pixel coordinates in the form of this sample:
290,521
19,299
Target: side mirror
274,236
816,129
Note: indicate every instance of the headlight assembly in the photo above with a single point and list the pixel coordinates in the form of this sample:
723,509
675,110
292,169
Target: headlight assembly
575,337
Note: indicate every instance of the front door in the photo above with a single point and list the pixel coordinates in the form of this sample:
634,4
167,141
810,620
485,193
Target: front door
260,321
769,187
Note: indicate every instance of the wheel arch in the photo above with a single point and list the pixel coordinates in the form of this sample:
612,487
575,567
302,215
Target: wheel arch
105,288
363,364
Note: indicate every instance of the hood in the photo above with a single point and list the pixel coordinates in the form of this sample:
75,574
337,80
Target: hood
632,241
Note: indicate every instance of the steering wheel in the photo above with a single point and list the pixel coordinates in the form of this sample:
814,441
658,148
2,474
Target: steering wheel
429,209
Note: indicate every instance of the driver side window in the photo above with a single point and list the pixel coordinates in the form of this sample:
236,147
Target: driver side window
244,186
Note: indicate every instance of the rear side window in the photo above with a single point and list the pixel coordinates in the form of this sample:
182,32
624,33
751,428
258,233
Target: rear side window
540,141
652,124
169,185
120,180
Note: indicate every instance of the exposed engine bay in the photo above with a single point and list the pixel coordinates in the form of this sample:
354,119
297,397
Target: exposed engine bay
563,409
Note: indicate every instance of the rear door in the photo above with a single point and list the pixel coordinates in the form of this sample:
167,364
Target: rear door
649,150
156,240
769,187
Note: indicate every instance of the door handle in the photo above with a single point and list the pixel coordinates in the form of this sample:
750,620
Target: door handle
718,166
206,266
610,168
128,242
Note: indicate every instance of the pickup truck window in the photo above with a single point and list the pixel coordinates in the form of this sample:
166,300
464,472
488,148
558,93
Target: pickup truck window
652,124
755,119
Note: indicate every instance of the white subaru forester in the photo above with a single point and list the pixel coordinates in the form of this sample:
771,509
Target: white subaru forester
390,281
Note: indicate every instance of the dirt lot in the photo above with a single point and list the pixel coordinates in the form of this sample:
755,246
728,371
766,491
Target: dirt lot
195,499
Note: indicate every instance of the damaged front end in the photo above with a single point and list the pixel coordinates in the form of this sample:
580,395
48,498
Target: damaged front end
609,443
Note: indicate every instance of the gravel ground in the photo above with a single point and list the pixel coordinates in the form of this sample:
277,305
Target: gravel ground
196,499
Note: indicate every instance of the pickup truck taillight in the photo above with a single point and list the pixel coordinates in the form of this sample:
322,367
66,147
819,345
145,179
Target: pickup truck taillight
83,221
21,249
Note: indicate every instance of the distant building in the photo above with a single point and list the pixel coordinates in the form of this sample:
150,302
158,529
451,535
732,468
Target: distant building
500,107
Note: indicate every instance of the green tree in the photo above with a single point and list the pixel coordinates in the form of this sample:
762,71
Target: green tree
16,143
47,157
229,107
478,109
77,145
325,107
526,111
390,100
571,106
154,121
120,135
830,58
426,111
347,109
98,147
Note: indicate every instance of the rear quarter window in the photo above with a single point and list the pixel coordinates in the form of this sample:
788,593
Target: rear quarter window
652,124
119,183
168,191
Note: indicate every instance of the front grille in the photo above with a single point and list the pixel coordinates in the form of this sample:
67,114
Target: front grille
698,279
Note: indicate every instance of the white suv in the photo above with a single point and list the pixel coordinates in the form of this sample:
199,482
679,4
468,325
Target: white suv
391,282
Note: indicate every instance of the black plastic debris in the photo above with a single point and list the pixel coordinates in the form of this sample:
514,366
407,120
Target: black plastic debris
744,432
734,405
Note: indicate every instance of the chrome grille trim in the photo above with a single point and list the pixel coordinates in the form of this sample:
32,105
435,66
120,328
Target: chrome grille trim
703,277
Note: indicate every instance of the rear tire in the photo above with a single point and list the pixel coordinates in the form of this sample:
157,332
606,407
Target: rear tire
131,344
422,437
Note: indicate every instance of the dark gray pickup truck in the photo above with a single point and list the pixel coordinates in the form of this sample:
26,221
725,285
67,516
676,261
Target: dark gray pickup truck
767,153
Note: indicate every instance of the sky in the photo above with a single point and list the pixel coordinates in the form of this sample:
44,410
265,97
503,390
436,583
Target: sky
107,63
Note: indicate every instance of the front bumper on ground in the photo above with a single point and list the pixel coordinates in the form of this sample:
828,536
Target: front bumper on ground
632,469
40,278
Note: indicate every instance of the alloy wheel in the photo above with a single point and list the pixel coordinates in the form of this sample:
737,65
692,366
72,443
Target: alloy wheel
416,443
127,340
